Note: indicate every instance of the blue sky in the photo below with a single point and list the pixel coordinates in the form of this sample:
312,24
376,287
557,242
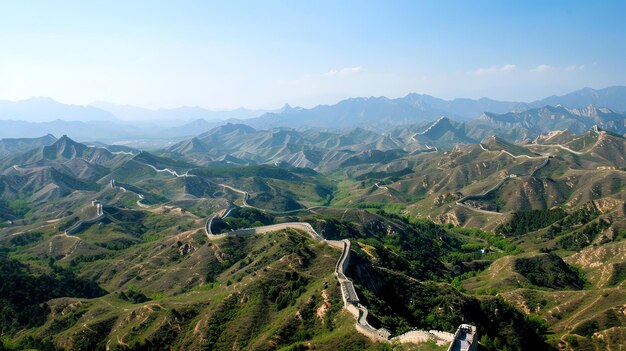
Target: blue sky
261,54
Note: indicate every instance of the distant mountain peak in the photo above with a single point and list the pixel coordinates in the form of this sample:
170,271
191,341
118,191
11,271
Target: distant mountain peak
613,98
64,138
590,111
192,145
66,141
489,139
10,146
64,147
288,108
237,126
228,128
438,127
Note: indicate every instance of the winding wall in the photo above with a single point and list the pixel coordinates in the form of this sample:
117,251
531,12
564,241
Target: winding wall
78,226
348,293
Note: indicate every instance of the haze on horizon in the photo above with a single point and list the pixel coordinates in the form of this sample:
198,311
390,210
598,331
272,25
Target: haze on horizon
261,55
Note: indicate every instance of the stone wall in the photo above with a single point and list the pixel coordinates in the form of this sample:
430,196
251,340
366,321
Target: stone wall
414,336
460,338
78,226
358,311
449,337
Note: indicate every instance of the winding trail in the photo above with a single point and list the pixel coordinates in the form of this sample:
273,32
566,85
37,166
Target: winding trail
461,201
573,317
218,215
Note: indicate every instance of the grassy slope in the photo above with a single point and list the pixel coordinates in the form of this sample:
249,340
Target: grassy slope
588,318
209,295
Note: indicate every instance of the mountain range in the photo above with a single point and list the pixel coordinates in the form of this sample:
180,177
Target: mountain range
109,122
163,115
328,150
450,222
43,109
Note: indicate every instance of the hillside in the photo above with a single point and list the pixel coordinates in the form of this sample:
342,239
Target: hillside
46,109
507,236
481,182
211,305
576,288
10,146
549,118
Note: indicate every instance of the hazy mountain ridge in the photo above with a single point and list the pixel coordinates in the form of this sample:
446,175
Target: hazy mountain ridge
613,98
383,113
43,109
317,150
133,113
380,112
551,118
14,145
53,171
324,150
375,113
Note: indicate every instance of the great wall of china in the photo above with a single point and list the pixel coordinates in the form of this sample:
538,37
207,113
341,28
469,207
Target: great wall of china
464,339
349,296
546,157
461,340
78,226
